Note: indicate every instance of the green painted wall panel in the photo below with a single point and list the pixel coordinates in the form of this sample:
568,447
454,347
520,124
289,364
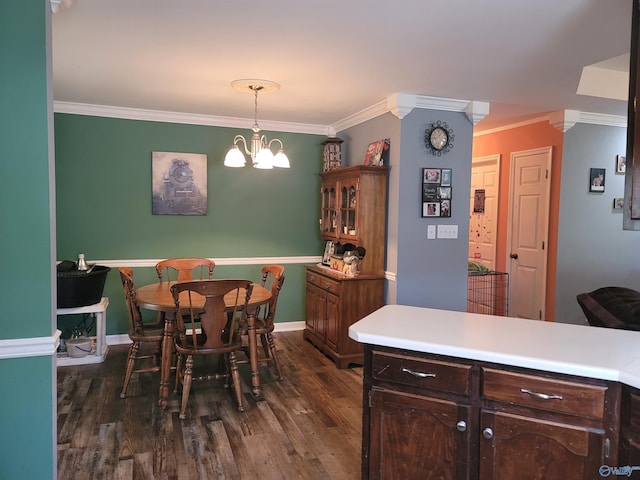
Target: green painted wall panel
27,451
27,409
103,185
24,196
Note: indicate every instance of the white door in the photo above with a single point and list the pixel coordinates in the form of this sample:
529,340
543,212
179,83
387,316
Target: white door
483,210
529,220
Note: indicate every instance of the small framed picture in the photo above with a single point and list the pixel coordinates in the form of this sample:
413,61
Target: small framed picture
431,209
445,181
329,248
596,179
621,163
618,203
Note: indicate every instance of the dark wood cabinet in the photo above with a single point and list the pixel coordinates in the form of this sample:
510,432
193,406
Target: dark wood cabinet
353,210
423,412
333,303
630,427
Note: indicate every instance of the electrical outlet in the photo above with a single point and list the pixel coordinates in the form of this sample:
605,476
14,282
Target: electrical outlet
431,232
447,231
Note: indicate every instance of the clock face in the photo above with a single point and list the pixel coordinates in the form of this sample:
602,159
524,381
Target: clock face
439,138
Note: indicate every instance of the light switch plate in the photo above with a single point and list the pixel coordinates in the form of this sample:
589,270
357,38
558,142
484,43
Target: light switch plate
447,231
431,232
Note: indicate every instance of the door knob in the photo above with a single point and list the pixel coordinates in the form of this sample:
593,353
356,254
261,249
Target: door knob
461,426
514,256
487,433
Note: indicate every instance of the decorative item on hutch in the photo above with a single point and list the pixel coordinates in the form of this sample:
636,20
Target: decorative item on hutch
332,153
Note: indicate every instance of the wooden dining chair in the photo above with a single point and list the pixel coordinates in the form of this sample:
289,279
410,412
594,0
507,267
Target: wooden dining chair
182,269
272,279
209,329
140,334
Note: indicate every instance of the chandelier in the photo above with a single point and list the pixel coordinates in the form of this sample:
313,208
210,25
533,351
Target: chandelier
259,148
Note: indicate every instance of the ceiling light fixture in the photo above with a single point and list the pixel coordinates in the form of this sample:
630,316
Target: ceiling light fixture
259,148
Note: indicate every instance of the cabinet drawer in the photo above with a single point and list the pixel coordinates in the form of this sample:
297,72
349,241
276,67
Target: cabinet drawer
544,393
324,283
421,372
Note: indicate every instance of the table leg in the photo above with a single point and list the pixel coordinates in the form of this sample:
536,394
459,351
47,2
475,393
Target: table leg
256,390
167,357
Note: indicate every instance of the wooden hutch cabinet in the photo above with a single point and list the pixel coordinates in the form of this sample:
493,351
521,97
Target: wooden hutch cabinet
353,210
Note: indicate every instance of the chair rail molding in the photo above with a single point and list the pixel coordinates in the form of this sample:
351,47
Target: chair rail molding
30,347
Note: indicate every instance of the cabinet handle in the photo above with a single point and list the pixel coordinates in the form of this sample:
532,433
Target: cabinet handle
461,426
418,374
542,396
487,433
327,286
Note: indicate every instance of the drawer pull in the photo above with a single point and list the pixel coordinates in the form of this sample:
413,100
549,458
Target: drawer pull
327,286
418,374
542,396
461,426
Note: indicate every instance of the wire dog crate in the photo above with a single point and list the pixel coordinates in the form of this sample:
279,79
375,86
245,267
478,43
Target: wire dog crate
488,293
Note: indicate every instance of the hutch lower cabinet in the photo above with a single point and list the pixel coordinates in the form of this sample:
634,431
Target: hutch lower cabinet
432,416
333,303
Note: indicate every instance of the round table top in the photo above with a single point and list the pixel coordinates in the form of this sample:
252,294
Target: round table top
157,296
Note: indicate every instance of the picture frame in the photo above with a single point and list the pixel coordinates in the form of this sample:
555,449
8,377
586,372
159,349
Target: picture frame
436,192
597,180
621,163
618,203
378,153
179,183
329,249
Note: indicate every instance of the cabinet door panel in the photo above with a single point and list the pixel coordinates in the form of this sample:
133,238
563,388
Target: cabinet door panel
333,320
532,449
315,310
415,437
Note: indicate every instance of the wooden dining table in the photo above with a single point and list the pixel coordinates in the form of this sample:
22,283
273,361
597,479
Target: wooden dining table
158,297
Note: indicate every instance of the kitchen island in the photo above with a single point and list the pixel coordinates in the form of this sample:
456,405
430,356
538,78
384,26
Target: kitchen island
460,395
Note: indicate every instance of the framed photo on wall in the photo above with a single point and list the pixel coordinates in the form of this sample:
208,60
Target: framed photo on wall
596,179
436,192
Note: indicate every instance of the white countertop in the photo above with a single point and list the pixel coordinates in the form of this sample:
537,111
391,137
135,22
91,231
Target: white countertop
594,352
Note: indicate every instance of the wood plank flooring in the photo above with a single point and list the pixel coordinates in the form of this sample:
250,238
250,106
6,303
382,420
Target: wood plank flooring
307,427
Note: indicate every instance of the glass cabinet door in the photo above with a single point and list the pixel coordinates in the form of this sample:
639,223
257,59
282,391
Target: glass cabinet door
329,222
348,208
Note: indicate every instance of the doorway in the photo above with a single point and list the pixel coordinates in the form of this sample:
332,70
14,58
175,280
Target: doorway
528,231
483,210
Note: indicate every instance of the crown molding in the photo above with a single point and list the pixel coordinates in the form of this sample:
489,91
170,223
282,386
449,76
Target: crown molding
362,116
560,121
563,120
603,119
401,104
56,4
186,118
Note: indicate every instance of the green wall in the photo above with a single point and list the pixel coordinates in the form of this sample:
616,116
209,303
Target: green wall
27,408
103,188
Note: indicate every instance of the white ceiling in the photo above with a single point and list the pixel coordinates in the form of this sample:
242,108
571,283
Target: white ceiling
334,58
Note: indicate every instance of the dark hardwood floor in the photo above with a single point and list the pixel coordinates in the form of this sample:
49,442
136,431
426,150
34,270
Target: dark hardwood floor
307,427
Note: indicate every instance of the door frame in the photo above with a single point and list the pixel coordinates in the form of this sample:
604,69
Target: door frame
540,150
496,158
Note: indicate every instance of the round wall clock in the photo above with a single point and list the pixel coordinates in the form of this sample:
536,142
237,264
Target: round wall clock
438,138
